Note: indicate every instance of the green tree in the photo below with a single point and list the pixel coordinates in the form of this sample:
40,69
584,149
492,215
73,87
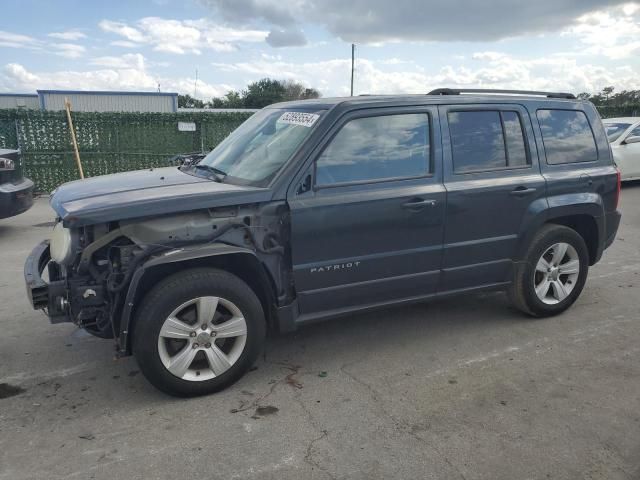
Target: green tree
310,93
263,92
607,91
297,91
232,99
187,101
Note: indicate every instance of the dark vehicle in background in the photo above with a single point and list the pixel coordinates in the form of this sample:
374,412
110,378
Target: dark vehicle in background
320,208
16,192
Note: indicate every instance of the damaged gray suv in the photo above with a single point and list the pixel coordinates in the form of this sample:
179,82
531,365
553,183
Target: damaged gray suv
320,208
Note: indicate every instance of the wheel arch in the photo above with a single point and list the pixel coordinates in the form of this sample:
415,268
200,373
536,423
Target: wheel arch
587,227
236,260
585,217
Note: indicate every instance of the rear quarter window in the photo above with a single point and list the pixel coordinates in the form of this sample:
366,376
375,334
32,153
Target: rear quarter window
567,136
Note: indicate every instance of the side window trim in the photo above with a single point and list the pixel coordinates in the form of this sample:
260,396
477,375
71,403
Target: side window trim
500,109
504,138
371,114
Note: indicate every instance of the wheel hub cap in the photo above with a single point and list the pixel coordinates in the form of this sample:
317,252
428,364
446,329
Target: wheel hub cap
203,338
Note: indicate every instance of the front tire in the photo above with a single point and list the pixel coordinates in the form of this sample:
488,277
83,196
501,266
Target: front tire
198,332
553,273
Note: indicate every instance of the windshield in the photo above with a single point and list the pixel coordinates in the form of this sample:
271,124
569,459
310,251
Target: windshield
256,150
614,130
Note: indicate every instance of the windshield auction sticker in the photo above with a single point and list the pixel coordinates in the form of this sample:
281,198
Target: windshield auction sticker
299,118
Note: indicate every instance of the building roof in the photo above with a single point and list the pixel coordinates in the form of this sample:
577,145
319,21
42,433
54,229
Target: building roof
107,92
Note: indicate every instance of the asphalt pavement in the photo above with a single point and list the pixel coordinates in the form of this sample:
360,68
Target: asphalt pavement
461,388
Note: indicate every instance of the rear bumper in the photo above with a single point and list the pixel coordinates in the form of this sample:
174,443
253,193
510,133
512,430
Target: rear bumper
45,295
15,198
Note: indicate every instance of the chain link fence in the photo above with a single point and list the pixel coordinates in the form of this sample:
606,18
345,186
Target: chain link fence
118,142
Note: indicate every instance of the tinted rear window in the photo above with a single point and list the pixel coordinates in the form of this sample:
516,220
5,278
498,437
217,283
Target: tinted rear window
484,140
567,136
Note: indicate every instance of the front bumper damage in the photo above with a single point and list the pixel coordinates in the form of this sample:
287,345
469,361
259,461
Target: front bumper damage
50,295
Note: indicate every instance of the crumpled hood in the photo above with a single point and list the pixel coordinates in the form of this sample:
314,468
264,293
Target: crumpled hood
145,193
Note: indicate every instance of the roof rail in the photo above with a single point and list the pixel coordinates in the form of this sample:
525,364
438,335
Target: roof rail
458,91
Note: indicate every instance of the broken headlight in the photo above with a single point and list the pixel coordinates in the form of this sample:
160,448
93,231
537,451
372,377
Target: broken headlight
62,244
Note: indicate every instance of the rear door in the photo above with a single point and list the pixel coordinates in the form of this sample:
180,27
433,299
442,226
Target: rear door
369,232
494,186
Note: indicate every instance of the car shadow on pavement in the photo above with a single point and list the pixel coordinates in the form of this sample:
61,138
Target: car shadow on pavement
411,335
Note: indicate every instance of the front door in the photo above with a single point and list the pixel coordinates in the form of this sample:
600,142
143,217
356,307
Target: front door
493,184
369,232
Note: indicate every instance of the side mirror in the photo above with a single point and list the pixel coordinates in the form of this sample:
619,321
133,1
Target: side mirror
632,140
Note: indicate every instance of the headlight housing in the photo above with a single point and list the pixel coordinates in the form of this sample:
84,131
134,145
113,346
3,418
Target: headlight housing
61,245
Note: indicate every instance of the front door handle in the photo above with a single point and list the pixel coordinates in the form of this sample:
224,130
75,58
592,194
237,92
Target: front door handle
418,204
522,191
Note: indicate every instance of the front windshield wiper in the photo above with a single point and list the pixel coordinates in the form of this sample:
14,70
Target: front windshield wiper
218,174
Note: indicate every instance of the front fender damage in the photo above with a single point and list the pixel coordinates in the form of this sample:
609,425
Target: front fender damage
117,257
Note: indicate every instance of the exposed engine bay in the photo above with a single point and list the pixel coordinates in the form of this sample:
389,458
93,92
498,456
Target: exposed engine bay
92,267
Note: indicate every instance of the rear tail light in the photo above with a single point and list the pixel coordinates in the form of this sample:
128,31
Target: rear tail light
618,186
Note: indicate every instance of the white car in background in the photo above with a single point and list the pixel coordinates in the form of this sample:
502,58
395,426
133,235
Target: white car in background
624,137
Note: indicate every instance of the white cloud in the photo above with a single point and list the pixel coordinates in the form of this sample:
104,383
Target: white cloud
128,73
69,50
613,33
64,49
492,56
130,60
16,40
124,43
181,36
378,21
495,70
122,29
69,35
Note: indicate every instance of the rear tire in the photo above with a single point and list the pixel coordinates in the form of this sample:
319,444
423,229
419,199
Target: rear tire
198,331
553,273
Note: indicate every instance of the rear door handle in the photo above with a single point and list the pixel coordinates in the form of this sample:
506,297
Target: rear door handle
418,204
522,191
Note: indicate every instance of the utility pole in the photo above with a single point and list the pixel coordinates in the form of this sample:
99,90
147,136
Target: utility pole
353,61
195,85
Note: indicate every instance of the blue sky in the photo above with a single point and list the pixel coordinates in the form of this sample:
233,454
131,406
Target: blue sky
402,45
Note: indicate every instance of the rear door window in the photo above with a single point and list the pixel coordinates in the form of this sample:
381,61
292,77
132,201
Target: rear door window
485,140
567,136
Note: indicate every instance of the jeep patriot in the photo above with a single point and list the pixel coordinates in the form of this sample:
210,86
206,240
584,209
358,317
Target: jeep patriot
319,208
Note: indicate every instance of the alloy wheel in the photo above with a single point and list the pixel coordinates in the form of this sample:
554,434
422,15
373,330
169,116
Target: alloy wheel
556,273
202,338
